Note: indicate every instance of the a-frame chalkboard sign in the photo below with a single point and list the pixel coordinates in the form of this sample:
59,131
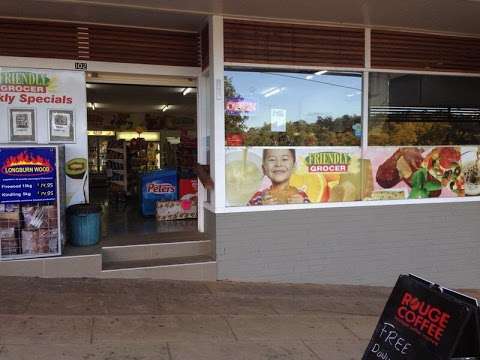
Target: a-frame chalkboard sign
423,321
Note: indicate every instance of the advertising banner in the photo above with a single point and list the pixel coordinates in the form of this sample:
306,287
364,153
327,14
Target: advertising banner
160,185
45,106
30,215
282,175
28,175
421,321
424,172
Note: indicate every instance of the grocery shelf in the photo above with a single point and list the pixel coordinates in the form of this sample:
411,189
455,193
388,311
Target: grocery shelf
118,182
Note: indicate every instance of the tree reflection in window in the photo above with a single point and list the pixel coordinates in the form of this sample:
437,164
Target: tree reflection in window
408,109
319,108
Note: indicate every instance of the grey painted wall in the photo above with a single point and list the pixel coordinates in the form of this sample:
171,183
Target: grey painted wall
362,245
211,230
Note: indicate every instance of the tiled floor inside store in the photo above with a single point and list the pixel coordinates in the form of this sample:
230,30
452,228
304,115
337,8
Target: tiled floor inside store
123,224
122,219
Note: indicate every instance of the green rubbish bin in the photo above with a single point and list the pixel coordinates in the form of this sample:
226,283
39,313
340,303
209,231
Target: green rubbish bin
84,222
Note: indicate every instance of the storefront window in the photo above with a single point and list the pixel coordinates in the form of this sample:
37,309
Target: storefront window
278,108
409,109
295,137
422,135
292,137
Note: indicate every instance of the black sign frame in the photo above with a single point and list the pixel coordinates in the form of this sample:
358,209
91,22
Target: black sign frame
424,321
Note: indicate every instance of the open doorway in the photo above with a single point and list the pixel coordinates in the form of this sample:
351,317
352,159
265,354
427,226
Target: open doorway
142,150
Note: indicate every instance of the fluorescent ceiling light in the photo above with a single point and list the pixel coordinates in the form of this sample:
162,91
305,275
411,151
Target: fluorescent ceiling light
164,107
274,92
173,140
100,133
147,135
186,91
91,105
321,72
267,90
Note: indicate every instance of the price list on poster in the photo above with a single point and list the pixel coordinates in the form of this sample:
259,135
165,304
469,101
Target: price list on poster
27,174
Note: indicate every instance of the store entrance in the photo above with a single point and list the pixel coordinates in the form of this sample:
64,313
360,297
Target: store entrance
142,150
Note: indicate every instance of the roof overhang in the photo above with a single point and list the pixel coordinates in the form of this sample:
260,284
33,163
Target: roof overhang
446,16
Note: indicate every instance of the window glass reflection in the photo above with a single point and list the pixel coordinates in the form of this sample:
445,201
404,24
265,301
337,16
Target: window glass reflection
278,108
410,109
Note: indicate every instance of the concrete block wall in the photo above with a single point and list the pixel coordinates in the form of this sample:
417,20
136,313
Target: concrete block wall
363,245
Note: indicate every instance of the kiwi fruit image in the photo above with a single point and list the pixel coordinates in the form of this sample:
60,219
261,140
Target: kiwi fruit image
76,168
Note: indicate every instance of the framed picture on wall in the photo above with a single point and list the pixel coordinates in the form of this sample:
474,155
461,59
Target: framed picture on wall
22,125
61,126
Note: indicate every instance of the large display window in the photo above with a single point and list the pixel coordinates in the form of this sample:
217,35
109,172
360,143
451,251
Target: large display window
438,116
294,137
279,108
423,110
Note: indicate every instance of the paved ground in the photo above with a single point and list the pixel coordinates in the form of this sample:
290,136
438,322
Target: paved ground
93,319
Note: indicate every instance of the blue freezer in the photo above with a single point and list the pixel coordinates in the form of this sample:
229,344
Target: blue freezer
159,185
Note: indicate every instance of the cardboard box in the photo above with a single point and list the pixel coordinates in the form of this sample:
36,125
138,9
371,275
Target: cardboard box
9,208
8,223
36,217
48,240
9,216
35,242
175,210
52,220
29,241
187,187
53,240
8,242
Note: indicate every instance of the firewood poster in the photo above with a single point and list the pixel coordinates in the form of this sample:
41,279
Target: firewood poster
43,106
422,322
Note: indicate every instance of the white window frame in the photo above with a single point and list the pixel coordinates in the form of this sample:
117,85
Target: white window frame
366,70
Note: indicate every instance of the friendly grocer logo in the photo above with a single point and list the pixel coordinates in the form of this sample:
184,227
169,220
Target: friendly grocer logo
18,81
327,162
25,164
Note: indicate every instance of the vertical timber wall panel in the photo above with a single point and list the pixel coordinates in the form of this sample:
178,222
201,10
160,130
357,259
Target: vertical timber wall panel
366,245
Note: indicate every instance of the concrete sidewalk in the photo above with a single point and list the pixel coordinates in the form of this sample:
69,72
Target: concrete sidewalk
145,319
